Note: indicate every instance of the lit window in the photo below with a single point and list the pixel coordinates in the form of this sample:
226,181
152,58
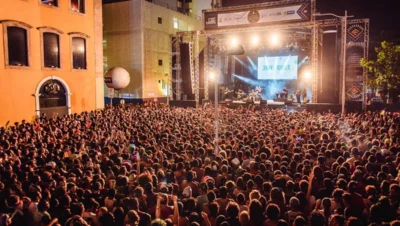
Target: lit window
78,6
50,2
176,23
78,53
51,50
17,46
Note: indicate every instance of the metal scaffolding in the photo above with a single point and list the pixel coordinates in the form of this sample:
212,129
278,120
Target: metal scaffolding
206,68
314,62
215,42
197,68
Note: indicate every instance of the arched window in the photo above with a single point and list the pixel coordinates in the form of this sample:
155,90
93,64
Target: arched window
52,94
16,43
53,97
79,51
51,50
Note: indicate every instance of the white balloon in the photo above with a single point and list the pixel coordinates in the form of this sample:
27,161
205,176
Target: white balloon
117,78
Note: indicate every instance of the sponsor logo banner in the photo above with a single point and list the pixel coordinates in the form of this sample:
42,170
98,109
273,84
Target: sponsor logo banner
355,32
355,52
230,19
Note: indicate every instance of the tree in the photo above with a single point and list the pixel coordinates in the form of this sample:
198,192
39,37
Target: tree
384,72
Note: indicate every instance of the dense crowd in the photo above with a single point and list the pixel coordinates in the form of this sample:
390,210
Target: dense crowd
152,165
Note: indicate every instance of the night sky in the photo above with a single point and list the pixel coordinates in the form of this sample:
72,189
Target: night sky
383,14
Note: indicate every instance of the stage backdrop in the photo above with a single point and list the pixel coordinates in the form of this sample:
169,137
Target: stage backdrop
247,75
357,48
277,67
228,3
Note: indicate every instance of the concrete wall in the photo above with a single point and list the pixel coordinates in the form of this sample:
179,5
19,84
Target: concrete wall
17,85
123,41
157,45
201,5
136,41
170,4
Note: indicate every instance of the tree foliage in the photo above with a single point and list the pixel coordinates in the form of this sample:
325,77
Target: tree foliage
384,72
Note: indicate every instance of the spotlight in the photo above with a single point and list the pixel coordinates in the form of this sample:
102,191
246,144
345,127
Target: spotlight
274,39
211,76
255,40
234,41
307,75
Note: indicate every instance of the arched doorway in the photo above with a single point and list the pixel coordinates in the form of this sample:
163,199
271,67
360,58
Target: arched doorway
52,97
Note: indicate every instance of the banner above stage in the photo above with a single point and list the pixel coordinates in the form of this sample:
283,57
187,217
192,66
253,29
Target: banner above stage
265,14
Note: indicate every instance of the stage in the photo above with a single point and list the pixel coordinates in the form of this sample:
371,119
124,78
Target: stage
271,104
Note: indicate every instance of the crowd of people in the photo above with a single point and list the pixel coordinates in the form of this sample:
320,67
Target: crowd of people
153,165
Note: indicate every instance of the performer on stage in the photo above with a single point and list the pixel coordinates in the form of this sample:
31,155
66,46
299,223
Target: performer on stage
298,96
227,93
304,95
285,92
240,94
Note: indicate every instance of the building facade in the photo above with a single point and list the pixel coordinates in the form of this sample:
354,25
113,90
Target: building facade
138,37
50,58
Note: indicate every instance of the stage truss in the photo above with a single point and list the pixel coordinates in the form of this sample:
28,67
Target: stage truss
216,38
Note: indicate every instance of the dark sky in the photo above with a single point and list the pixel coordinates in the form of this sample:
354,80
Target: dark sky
383,14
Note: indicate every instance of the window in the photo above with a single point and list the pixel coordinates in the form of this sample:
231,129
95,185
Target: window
159,20
51,50
50,2
159,62
52,94
78,53
176,23
17,46
78,6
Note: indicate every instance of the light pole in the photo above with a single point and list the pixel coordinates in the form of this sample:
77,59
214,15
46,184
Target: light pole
214,76
344,50
168,82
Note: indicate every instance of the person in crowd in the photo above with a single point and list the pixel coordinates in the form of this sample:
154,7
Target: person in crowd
150,164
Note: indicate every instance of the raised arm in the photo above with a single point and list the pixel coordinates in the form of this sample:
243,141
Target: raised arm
176,210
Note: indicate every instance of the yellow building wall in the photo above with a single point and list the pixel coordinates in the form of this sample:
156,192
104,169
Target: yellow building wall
18,86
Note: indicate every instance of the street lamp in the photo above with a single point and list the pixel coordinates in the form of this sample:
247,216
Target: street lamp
214,77
168,87
344,40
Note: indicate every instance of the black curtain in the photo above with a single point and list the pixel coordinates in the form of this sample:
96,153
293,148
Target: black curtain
185,72
201,75
330,73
